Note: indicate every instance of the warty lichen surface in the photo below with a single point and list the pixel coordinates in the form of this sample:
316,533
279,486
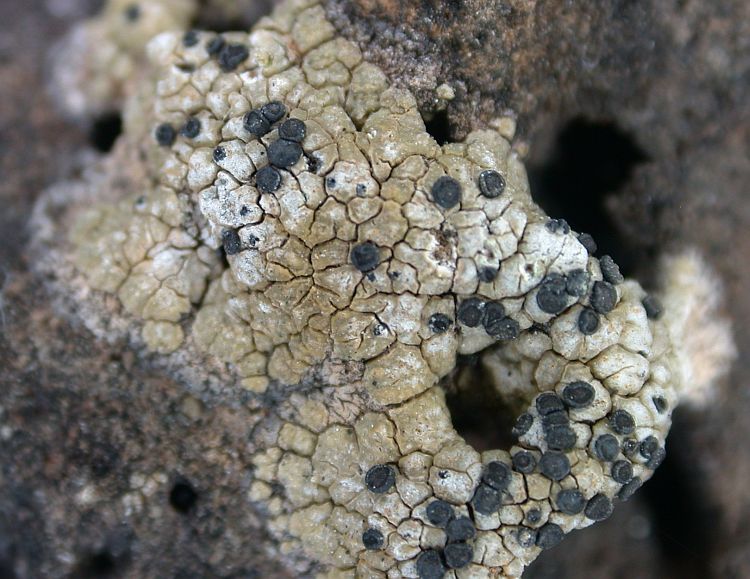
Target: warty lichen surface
286,213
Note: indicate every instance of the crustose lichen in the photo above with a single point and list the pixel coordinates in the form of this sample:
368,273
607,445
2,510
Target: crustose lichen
288,213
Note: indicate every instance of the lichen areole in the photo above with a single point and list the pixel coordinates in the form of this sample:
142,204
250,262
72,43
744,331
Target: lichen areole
289,215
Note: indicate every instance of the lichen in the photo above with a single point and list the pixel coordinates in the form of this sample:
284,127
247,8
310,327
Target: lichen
289,214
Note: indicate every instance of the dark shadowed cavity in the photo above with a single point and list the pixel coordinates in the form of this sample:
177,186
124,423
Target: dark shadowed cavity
591,160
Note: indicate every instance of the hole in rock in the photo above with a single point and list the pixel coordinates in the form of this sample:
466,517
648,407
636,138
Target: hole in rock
238,17
104,132
99,564
439,127
590,160
103,460
479,414
682,515
183,496
7,570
